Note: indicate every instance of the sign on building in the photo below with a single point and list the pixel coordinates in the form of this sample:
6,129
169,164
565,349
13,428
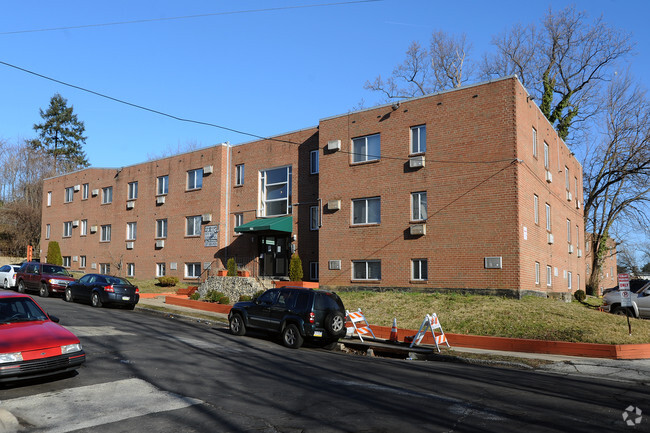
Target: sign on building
211,236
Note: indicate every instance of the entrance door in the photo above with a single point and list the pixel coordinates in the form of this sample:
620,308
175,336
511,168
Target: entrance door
274,255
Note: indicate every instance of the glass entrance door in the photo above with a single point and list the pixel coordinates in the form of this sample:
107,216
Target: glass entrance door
274,255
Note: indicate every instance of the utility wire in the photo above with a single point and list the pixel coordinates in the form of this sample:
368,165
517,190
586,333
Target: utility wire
185,17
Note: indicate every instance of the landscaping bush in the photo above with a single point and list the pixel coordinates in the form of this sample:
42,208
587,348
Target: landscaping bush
54,254
295,268
224,300
214,296
167,281
580,295
244,298
232,267
195,296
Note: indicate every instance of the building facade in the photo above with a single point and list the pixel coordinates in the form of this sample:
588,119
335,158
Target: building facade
467,189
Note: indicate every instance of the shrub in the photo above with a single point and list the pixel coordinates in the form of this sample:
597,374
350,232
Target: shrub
244,298
580,295
214,296
224,300
195,296
295,268
54,254
167,281
232,267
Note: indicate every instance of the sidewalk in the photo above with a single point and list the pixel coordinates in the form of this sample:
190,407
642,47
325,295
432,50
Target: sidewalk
635,371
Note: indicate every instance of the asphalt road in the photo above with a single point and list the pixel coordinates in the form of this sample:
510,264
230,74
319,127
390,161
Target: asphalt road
149,373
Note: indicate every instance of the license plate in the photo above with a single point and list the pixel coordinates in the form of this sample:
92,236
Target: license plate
318,333
125,298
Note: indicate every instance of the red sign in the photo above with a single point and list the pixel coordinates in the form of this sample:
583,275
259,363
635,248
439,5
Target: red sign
623,278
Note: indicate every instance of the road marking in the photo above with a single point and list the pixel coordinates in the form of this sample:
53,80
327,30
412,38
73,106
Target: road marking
96,331
94,405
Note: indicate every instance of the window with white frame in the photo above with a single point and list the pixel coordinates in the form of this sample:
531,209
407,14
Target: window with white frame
83,228
47,231
577,237
275,191
67,229
49,198
578,281
130,269
537,271
549,276
548,217
535,142
195,179
84,191
239,219
133,190
366,148
546,156
131,231
105,233
536,208
418,139
366,270
569,280
69,194
82,261
313,271
107,195
105,268
161,228
239,174
575,186
162,185
313,217
419,269
568,230
66,261
160,269
419,206
313,161
366,210
193,225
192,270
567,178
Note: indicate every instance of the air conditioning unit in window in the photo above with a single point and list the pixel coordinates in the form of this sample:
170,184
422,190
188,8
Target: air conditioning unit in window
95,192
418,229
77,188
579,252
549,176
93,229
173,266
206,217
333,145
129,245
75,223
570,249
334,205
416,161
75,258
569,196
550,238
160,243
334,265
493,263
130,204
208,169
160,200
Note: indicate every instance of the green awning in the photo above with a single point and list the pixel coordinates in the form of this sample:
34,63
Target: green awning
277,224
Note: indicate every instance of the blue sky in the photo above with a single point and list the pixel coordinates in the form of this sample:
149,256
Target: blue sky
263,72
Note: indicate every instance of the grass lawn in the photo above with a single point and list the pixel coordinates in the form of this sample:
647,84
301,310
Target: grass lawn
152,286
530,317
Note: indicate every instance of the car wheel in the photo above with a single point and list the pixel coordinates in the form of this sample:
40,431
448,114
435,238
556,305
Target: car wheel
335,323
291,337
21,286
43,292
95,300
237,326
68,296
619,311
5,284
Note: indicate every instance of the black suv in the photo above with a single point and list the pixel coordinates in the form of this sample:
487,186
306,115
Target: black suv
294,313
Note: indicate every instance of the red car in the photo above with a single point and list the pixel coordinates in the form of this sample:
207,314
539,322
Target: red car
32,344
44,277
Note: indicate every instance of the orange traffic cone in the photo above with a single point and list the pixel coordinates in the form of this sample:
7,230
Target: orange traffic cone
393,332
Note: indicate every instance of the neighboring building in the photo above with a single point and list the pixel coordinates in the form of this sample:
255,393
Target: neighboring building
465,189
608,270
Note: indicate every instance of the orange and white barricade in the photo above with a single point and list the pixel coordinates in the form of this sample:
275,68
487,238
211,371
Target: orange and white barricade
430,322
357,317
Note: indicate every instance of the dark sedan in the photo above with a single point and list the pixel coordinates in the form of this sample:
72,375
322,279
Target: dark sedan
103,289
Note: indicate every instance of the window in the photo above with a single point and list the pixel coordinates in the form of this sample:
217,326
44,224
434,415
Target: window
577,236
313,161
569,282
568,230
47,231
160,269
162,185
365,148
575,186
548,217
84,191
535,142
366,270
195,179
275,187
418,206
546,156
313,217
49,198
161,228
549,276
133,190
419,269
536,208
69,194
192,270
131,231
567,178
82,261
106,233
193,226
130,269
105,268
239,174
239,219
107,195
537,273
418,139
578,281
366,211
67,229
83,230
66,261
313,271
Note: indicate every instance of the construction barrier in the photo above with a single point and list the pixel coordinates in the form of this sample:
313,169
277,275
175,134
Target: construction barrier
356,317
432,323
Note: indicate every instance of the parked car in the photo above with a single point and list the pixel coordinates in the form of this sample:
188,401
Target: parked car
635,285
44,277
640,302
295,314
101,289
8,276
33,344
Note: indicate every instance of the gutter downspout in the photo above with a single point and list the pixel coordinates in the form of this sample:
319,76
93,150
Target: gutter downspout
227,224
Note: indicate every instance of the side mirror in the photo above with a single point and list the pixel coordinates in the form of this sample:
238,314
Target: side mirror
53,318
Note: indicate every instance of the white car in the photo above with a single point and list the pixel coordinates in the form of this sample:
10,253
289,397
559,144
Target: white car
640,302
8,276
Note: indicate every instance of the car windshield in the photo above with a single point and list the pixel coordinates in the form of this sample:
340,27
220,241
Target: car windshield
54,270
117,280
20,310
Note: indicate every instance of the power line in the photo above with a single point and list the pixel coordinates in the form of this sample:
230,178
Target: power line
185,17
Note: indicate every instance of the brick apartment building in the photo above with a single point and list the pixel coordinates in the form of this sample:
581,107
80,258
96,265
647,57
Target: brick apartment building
465,189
